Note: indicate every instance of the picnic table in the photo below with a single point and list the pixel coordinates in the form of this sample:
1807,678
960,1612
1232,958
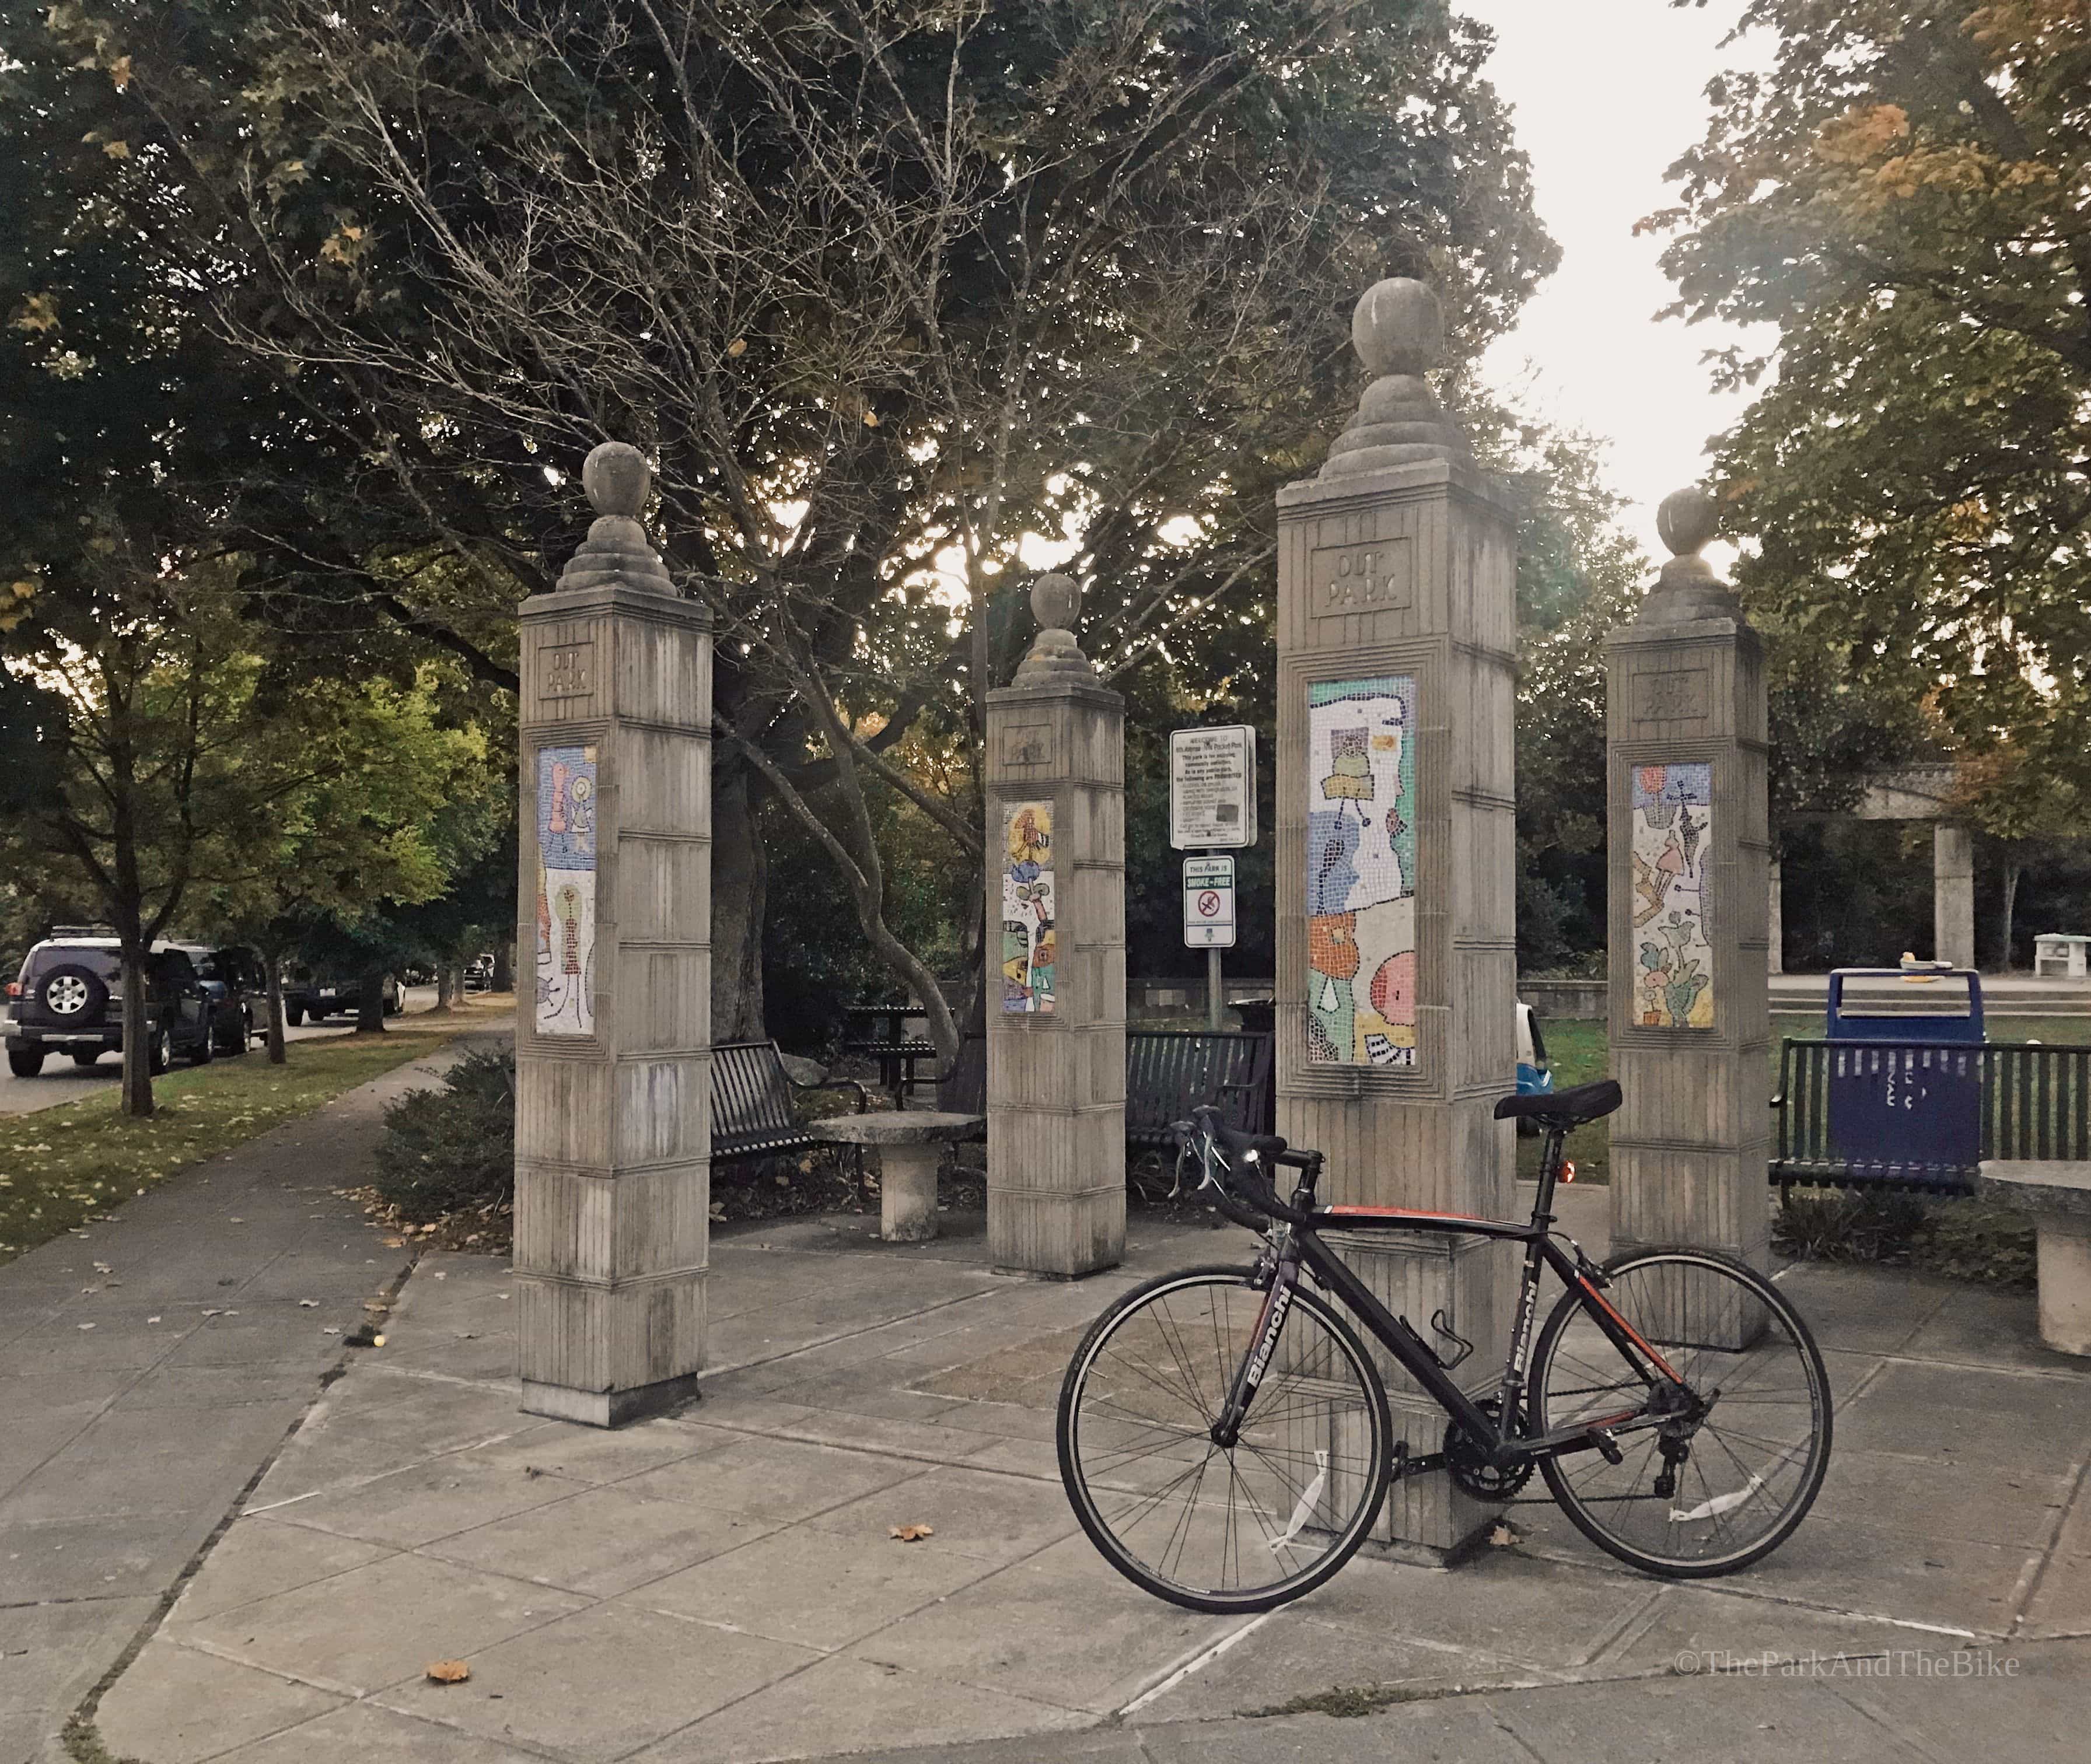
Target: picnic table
910,1146
2061,953
880,1031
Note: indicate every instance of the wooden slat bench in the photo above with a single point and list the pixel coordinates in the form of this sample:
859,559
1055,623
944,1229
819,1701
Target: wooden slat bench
752,1112
1168,1073
2031,1101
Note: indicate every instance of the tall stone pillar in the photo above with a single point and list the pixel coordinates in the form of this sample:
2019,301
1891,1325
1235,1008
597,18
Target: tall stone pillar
1690,859
1953,895
1056,981
1396,861
613,1077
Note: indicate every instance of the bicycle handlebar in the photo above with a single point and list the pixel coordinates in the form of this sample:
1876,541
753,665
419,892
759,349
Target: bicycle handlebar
1245,1193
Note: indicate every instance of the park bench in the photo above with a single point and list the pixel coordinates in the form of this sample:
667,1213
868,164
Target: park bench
752,1112
2061,956
1168,1073
2013,1101
880,1032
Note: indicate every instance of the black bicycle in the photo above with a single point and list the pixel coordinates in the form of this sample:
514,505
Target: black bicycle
1225,1436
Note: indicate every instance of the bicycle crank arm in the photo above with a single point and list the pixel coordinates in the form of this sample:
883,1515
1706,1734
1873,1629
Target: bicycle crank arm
1405,1466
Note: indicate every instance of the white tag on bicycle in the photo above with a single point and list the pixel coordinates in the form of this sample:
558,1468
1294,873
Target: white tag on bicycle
1305,1511
1713,1508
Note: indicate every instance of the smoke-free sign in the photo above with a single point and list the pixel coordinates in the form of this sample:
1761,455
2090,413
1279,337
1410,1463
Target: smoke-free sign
1209,903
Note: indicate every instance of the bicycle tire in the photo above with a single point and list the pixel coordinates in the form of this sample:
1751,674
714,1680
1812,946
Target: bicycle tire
1107,1477
1785,1420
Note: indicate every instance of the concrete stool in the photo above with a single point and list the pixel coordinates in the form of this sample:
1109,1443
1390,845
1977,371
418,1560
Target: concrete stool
2057,1192
910,1144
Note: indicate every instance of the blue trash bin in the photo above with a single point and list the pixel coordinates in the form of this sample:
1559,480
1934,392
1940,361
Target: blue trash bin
1906,1067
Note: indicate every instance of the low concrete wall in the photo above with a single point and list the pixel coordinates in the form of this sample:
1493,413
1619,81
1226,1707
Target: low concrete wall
1554,998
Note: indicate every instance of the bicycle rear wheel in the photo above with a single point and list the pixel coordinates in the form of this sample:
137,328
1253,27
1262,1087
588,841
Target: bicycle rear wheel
1726,1479
1214,1528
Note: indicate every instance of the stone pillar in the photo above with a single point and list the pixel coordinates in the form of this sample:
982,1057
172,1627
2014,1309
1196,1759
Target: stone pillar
612,1074
1775,928
1056,972
1953,895
1689,887
1396,860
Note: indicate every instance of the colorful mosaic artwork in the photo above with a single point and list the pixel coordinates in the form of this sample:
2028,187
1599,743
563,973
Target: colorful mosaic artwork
1673,837
1027,907
1361,871
565,891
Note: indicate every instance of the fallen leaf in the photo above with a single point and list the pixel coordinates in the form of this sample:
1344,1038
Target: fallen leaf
1503,1536
152,1320
449,1671
330,1331
913,1534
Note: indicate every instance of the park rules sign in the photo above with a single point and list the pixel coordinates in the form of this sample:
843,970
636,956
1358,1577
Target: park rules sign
1212,788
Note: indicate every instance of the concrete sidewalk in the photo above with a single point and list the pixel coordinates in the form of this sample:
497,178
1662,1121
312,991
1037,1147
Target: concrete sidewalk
724,1586
149,1366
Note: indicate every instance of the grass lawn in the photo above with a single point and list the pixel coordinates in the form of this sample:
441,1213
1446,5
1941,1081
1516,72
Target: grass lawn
63,1166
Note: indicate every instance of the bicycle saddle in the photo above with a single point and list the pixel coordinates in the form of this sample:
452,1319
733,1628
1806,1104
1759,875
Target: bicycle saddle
1563,1108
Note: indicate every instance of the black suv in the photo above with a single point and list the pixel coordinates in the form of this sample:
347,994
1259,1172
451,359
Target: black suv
307,992
238,988
69,999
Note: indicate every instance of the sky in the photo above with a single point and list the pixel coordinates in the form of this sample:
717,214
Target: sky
1605,94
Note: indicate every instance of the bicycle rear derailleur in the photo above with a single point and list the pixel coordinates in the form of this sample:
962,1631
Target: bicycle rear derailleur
1466,1459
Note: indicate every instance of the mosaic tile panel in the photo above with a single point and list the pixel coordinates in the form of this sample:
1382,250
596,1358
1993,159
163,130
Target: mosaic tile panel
565,891
1361,871
1673,838
1027,907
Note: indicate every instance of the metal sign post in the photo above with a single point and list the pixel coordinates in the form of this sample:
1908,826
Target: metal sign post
1208,920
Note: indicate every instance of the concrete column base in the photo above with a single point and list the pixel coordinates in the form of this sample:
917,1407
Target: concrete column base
609,1409
907,1192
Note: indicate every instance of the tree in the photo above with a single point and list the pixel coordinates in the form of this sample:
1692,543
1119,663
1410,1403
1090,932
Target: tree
882,289
1901,197
170,757
393,822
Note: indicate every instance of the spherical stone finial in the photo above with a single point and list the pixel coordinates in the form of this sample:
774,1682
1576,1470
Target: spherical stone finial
1055,600
1398,327
617,478
1687,520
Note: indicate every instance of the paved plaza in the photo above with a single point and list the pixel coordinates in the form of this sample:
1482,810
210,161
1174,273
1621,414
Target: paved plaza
724,1586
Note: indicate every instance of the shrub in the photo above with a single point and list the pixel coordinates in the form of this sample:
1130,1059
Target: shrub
1969,1239
455,1148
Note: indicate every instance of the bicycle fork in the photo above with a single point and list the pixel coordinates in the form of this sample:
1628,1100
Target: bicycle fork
1271,1324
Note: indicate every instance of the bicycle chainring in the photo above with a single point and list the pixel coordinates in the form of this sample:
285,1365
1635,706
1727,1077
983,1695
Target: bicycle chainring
1467,1461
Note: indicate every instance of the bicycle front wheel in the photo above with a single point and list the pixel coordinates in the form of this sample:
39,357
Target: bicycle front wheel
1716,1467
1239,1528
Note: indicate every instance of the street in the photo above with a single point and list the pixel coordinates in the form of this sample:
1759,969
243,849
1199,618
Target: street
62,1082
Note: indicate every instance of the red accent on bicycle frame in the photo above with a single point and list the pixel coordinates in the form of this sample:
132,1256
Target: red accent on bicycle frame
1669,1371
1400,1212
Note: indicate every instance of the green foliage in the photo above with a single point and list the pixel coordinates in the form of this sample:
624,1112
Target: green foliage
1901,198
1976,1239
447,1149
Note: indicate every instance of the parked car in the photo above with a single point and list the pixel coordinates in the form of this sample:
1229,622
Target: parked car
307,992
239,986
479,974
68,999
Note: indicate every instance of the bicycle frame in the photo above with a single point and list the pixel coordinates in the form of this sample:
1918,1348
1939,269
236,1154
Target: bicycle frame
1297,1245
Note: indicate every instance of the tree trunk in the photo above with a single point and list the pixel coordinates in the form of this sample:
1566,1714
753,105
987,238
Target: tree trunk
278,1050
137,1034
445,997
370,1003
2013,870
504,966
740,876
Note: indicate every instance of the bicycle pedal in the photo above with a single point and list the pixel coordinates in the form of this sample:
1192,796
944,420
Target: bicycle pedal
1608,1447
